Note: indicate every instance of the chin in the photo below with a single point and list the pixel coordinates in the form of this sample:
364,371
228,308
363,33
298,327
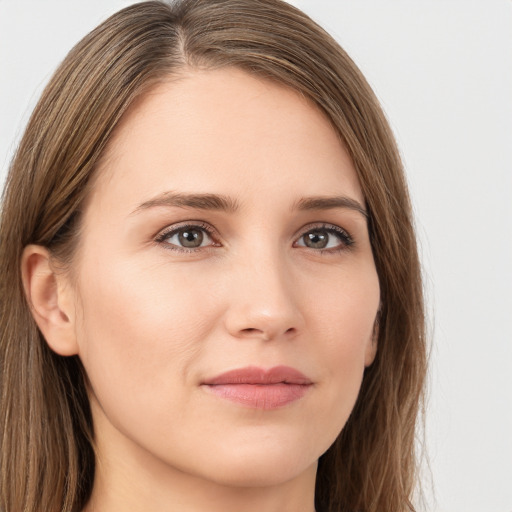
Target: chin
258,464
261,473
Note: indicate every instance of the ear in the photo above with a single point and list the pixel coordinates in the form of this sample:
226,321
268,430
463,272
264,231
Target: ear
51,300
371,348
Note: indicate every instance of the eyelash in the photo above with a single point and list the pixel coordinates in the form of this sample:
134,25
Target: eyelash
341,234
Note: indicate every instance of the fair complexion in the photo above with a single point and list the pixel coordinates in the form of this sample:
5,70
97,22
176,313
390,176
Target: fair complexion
225,231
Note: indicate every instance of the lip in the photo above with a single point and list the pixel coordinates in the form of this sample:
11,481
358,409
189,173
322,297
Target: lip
260,388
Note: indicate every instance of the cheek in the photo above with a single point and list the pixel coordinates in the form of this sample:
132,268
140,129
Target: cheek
141,329
343,315
343,308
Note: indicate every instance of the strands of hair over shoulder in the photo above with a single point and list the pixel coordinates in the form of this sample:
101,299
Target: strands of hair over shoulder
46,431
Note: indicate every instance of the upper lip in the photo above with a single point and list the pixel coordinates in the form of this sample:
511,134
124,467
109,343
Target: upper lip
257,375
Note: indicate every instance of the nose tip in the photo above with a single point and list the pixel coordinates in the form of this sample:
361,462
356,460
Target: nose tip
264,307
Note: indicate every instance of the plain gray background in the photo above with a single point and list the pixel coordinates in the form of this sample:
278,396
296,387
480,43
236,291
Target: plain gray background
443,72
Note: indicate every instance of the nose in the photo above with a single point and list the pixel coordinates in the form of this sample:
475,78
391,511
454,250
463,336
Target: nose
264,303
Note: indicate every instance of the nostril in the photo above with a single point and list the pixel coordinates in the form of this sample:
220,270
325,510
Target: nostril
264,333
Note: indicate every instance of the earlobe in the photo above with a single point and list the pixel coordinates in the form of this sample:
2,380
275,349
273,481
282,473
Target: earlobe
50,298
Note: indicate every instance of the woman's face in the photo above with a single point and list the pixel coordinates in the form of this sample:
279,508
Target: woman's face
226,288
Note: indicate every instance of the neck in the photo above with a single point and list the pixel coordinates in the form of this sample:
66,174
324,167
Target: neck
179,491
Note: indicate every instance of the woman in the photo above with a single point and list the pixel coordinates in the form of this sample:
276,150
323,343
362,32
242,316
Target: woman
211,295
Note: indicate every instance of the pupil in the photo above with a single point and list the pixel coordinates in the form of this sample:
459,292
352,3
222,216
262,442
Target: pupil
191,238
316,239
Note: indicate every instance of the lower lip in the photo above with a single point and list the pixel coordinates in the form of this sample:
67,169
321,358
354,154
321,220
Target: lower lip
260,396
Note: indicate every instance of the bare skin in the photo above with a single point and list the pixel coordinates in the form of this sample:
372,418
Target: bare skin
208,246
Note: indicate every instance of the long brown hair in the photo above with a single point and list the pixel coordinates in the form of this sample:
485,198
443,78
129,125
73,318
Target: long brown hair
46,432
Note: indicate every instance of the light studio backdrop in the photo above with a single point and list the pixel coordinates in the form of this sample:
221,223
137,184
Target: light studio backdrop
443,72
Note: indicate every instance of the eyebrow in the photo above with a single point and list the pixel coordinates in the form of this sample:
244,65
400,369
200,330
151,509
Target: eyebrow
196,201
330,203
225,203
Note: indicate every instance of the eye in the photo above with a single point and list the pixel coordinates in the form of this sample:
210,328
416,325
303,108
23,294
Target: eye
188,237
326,237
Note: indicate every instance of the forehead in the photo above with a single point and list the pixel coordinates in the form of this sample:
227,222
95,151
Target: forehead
224,131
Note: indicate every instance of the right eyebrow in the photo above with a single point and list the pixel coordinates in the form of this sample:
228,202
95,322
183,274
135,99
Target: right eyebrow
196,201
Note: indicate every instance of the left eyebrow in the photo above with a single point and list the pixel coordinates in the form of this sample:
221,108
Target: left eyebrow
330,203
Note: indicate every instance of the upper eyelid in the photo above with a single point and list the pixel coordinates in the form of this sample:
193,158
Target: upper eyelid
324,225
167,231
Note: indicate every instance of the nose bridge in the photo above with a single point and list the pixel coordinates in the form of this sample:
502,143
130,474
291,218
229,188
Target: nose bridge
264,303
